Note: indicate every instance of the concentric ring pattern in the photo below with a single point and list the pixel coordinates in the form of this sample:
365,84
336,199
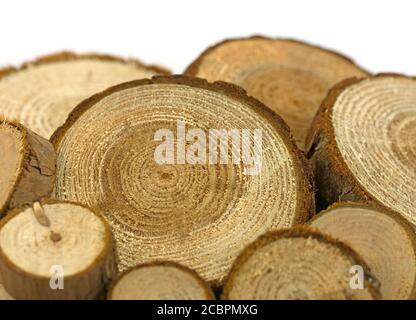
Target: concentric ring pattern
383,240
160,282
41,96
288,76
28,244
374,123
200,215
286,267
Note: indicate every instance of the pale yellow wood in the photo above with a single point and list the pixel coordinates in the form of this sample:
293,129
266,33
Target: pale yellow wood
362,144
296,264
43,93
75,246
375,131
27,166
290,77
160,281
199,215
11,159
384,240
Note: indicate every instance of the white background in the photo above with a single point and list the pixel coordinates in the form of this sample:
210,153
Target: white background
378,35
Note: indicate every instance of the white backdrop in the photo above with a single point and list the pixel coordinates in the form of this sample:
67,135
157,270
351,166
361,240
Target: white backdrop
378,35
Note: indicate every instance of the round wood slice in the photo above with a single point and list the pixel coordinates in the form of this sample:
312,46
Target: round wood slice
200,215
296,264
290,77
27,166
160,281
363,144
42,93
55,240
383,238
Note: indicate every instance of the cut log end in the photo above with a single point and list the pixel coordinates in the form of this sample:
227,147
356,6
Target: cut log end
27,166
297,264
162,211
70,258
288,76
382,238
12,147
362,144
41,94
160,281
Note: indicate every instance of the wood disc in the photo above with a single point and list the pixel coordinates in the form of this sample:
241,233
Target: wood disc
363,143
42,93
58,239
297,264
160,281
290,77
200,215
27,166
383,238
